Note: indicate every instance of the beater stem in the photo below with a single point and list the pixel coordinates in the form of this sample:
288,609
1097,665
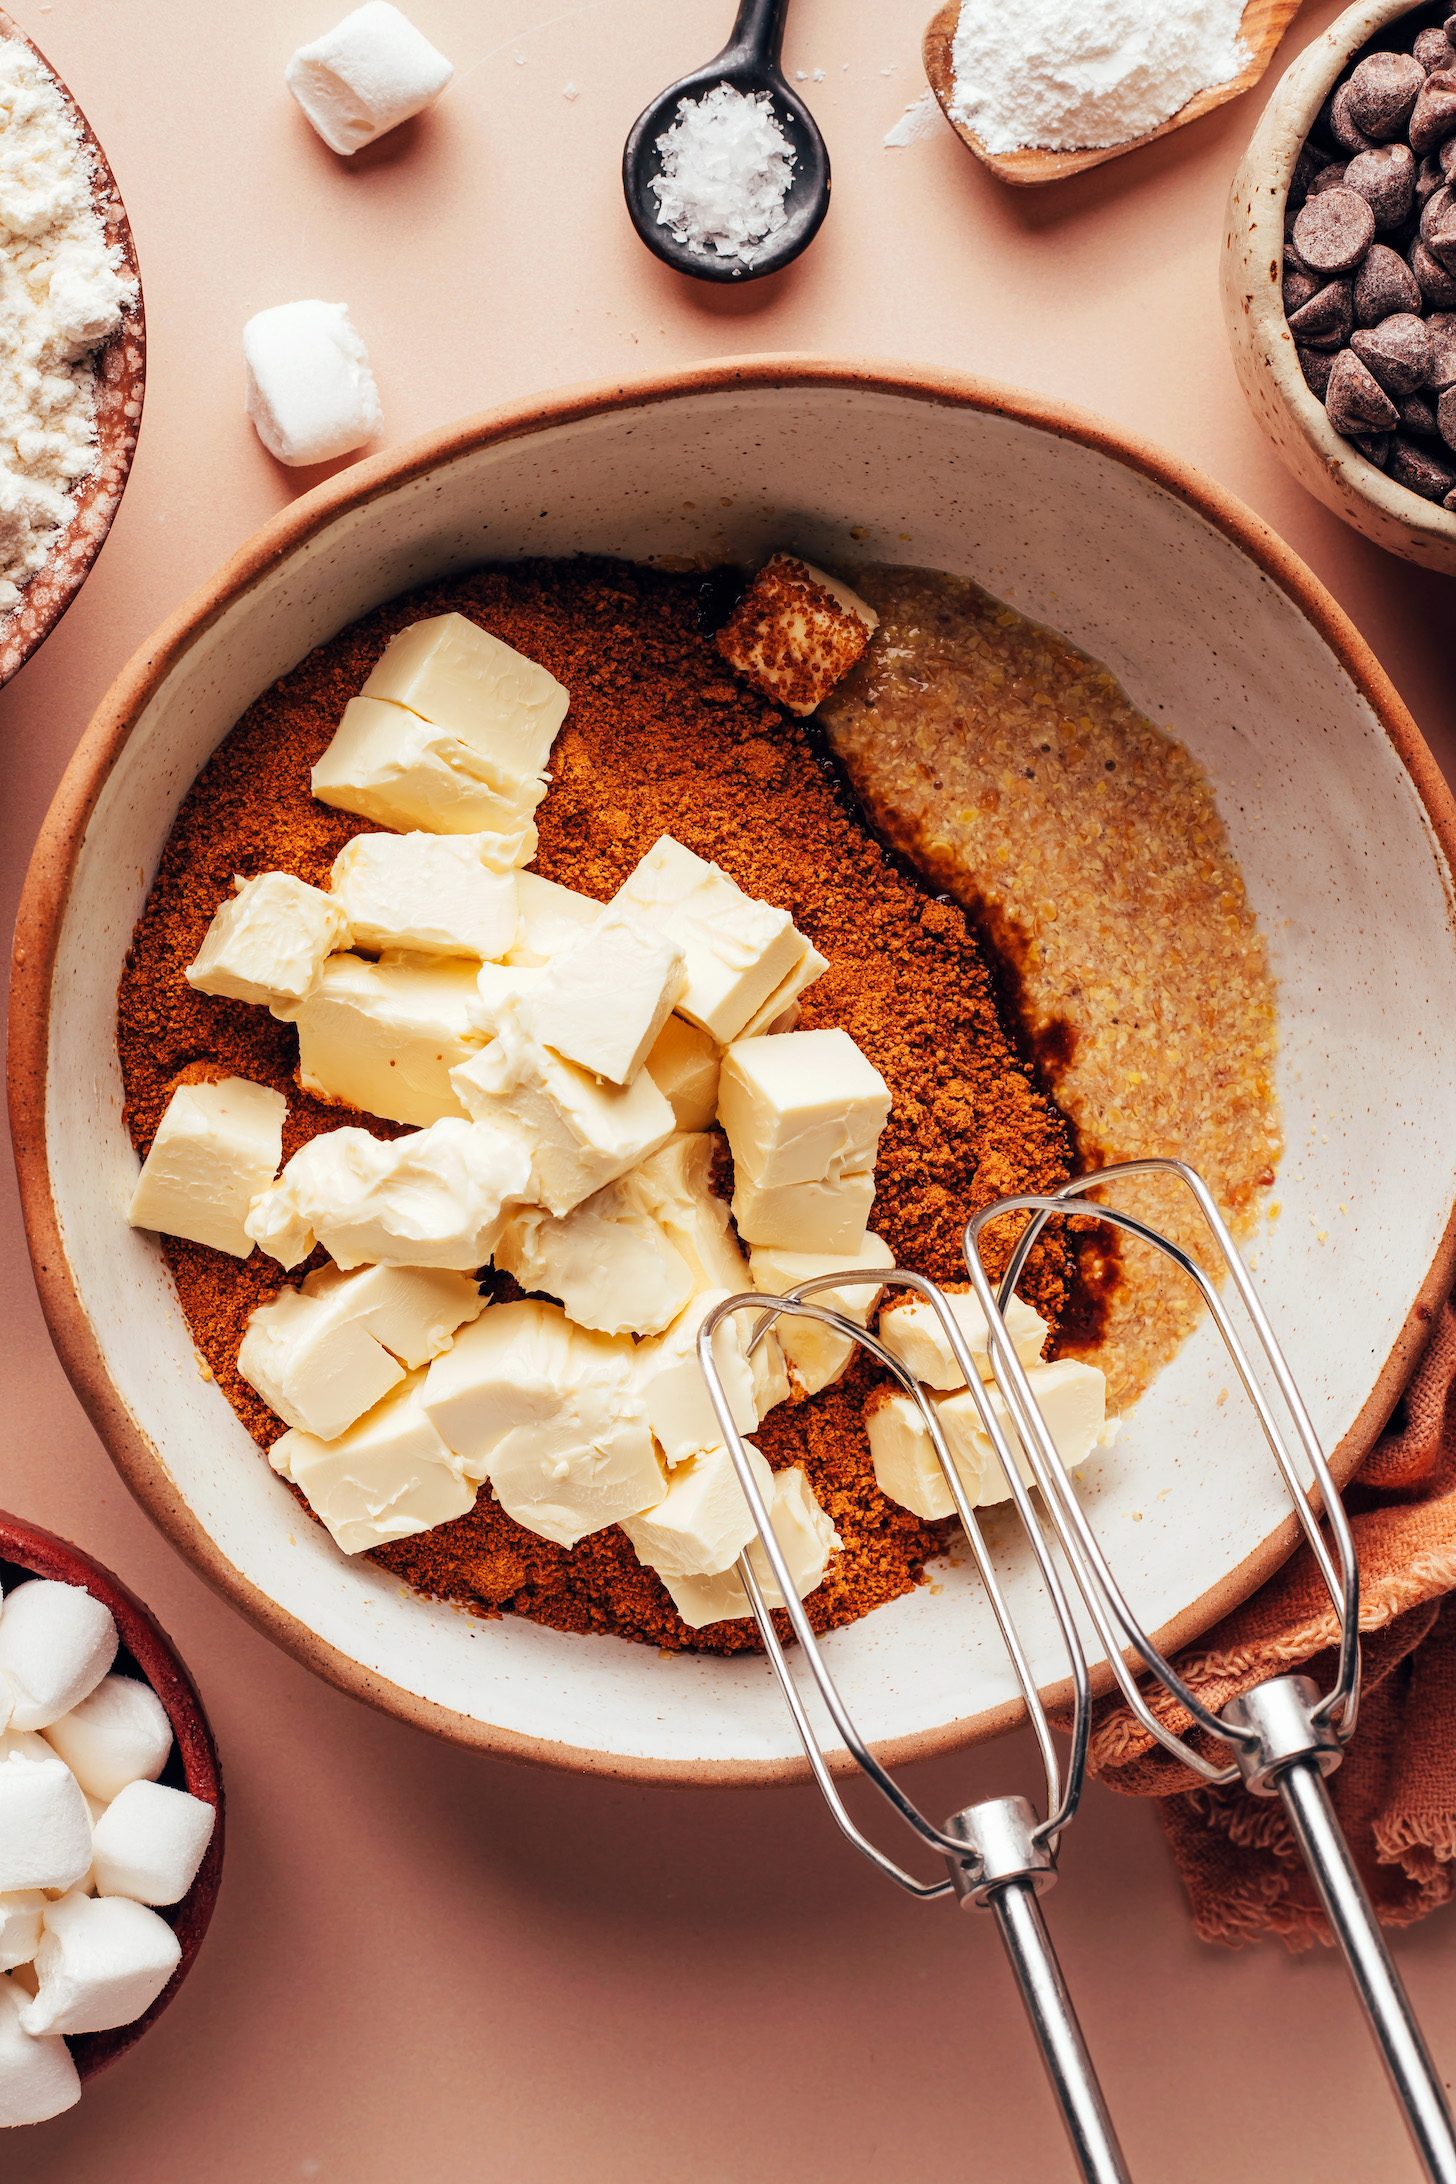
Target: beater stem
1059,2036
1377,1982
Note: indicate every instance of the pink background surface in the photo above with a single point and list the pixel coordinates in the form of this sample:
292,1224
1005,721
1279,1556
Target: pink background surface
424,1963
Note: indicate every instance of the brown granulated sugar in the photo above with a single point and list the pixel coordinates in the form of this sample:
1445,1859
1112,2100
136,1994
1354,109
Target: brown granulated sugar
658,740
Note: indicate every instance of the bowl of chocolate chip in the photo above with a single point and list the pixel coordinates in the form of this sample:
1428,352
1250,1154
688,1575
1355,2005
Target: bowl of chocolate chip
673,840
1339,274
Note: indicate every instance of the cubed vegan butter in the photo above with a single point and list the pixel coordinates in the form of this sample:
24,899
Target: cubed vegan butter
388,765
736,950
818,1217
911,1329
818,1354
806,1539
602,1003
459,677
801,1107
684,1064
385,1036
217,1146
268,940
703,1523
388,1477
432,893
324,1353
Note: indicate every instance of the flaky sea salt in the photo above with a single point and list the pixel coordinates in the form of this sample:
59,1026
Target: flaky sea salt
1072,75
726,170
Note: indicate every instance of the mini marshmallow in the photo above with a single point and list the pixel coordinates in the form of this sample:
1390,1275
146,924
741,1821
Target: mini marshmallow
120,1734
45,1829
150,1841
21,1913
365,76
102,1961
38,2079
56,1644
310,392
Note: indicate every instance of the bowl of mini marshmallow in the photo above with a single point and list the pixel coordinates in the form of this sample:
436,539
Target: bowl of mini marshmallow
110,1822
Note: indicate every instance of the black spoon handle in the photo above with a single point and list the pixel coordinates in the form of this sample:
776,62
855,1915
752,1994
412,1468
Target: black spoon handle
758,33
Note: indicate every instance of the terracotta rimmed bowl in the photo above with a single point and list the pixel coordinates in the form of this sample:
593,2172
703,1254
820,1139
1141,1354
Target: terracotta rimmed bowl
1343,826
147,1653
1291,414
120,381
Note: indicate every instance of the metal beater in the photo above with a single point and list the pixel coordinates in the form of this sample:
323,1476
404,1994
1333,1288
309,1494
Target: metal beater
1284,1736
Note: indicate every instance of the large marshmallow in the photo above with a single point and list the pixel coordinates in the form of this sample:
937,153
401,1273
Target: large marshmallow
818,1354
268,940
737,951
806,1107
703,1523
828,1217
45,1829
388,1477
216,1147
608,1261
384,1037
365,76
56,1644
431,893
309,389
150,1841
602,1003
434,1198
807,1539
102,1961
323,1354
456,675
119,1734
911,1330
38,2079
553,919
387,764
675,1391
21,1913
684,1064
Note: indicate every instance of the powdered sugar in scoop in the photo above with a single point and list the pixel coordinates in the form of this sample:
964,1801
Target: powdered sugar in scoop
1072,75
62,291
726,170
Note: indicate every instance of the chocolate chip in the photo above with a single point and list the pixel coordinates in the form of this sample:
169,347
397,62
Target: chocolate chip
1434,117
1424,472
1433,49
1311,161
1438,285
1329,178
1374,446
1386,179
1355,401
1342,125
1381,93
1429,179
1446,417
1418,415
1438,227
1383,283
1316,364
1298,287
1397,352
1446,158
1441,326
1334,231
1327,318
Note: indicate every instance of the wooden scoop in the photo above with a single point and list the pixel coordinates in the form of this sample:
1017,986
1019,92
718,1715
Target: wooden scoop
1264,24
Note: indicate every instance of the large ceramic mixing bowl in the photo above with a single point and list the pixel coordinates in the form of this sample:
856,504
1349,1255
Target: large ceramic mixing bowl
1342,824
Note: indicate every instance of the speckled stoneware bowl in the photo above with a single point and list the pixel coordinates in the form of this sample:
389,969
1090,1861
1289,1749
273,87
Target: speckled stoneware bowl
120,381
1345,831
1330,466
147,1653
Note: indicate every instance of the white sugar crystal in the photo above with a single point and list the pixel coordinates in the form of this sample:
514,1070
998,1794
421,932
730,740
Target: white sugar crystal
38,2079
310,392
45,1829
102,1961
365,76
726,170
119,1734
21,1912
150,1841
56,1644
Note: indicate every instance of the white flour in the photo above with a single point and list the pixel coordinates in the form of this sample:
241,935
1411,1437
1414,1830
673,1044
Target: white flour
60,295
1070,75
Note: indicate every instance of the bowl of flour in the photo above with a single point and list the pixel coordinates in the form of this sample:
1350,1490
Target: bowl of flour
72,348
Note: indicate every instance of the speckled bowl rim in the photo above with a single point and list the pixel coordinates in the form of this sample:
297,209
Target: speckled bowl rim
120,388
58,849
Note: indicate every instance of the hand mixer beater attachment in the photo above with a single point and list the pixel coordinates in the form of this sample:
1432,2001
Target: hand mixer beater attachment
1283,1737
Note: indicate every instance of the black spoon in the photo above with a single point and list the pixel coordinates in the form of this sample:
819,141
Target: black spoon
750,63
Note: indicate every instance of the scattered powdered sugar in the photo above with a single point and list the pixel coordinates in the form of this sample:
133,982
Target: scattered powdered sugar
917,121
1072,75
61,293
726,170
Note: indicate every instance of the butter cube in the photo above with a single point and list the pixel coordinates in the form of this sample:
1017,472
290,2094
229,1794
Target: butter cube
457,676
385,1036
807,1539
388,1477
910,1328
811,965
433,893
818,1217
553,919
674,1185
684,1064
388,765
433,1198
551,1415
805,1107
323,1354
818,1354
495,984
1072,1398
737,951
602,1003
608,1261
581,1134
703,1523
216,1147
266,944
796,632
673,1387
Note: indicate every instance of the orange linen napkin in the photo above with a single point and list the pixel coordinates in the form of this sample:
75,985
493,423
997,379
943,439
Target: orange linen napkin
1395,1791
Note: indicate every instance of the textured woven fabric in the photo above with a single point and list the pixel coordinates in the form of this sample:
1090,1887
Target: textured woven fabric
1396,1789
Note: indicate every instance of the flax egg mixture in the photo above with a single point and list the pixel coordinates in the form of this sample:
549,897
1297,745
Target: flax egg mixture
566,946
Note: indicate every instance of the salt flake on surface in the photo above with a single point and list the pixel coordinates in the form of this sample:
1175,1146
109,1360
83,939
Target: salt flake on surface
726,170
